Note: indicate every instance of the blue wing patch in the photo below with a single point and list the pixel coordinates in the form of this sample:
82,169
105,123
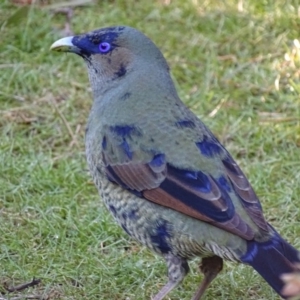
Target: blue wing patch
209,147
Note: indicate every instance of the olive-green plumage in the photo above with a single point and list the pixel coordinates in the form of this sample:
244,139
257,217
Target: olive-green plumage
162,174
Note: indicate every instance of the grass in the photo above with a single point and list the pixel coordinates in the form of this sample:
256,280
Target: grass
236,65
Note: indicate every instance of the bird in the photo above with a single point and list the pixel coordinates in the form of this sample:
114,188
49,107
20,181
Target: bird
162,174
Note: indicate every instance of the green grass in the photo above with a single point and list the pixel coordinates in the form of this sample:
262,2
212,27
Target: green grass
237,68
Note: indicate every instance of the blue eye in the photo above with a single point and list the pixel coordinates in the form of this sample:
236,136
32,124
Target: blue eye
104,47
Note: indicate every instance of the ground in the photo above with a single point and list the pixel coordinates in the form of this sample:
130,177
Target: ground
236,65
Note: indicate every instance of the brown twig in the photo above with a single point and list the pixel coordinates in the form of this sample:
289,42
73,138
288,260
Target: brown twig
23,286
28,297
69,129
68,12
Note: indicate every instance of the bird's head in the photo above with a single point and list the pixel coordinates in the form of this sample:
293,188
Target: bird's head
113,52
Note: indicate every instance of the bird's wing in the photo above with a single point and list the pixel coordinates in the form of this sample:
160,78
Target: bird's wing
194,193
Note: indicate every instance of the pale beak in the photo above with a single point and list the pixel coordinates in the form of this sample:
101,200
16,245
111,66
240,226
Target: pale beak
65,45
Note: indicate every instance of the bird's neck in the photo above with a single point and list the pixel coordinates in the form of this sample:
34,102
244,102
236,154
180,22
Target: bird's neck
129,98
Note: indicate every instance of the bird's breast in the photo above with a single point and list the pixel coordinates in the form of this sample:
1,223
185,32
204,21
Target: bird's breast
165,230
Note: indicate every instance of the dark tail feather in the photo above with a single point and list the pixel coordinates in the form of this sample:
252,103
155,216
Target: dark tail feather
272,259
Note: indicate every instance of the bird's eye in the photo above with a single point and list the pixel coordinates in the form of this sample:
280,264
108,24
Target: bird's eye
104,47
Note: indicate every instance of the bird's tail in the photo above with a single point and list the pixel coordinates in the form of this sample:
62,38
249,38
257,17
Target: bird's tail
272,259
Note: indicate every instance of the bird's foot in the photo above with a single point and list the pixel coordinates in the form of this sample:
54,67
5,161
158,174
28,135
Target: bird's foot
177,270
210,267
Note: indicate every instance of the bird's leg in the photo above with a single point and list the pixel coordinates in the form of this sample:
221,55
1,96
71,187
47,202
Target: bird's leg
210,267
177,270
